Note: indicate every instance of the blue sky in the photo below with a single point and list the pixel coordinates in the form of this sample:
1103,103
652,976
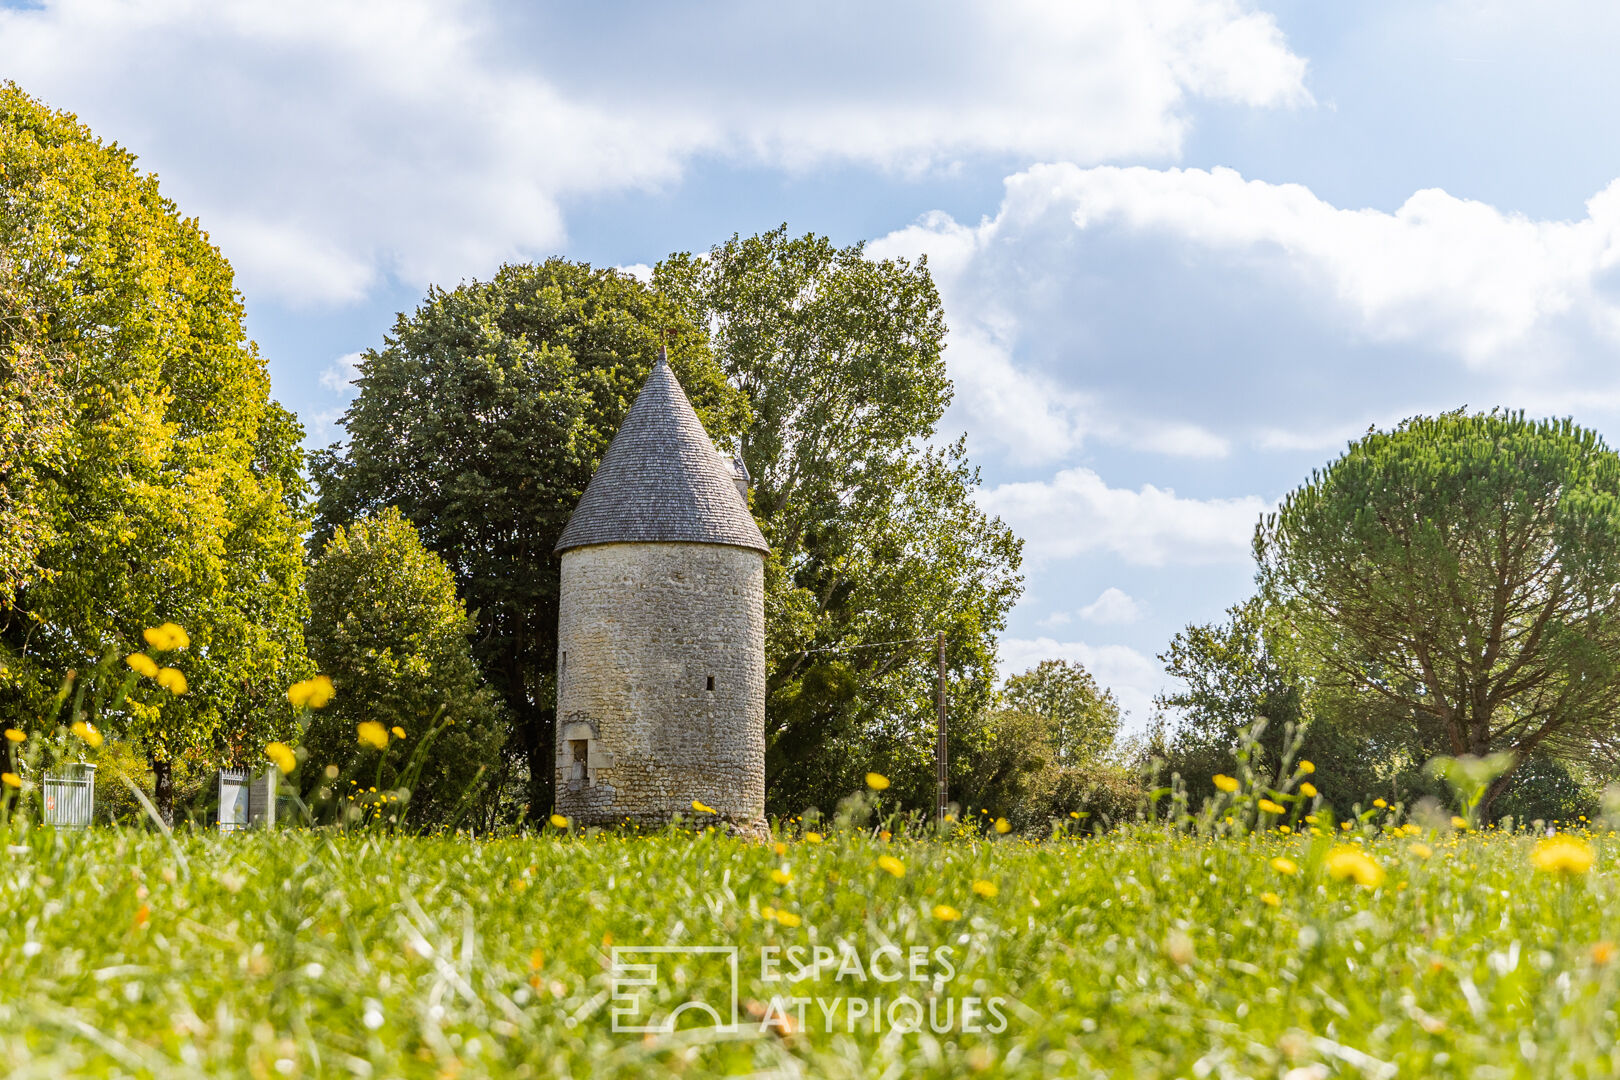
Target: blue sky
1187,248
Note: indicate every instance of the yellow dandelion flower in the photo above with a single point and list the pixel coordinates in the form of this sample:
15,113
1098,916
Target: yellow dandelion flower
1075,814
1003,826
321,692
282,755
1345,861
311,693
1226,783
1459,823
767,912
813,837
876,781
559,821
1285,830
13,735
885,834
1179,947
372,734
986,889
1284,865
1269,807
1603,952
142,664
1308,790
1380,803
172,680
890,864
1305,767
946,913
780,849
399,732
701,808
1345,825
1270,899
782,875
166,638
1422,851
1565,855
87,731
11,779
788,918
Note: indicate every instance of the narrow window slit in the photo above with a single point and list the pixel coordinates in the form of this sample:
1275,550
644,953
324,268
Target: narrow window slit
581,749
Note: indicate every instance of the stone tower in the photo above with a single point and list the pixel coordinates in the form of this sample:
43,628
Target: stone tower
661,628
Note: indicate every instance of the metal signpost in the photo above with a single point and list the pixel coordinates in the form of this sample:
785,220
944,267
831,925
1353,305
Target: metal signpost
233,799
247,799
70,796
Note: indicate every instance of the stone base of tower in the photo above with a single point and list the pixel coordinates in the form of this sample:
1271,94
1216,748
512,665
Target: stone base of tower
756,829
661,685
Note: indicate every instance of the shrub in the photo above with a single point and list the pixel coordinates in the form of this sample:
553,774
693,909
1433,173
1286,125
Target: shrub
387,627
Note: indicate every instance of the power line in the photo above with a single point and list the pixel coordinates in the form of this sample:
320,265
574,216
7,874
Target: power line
868,645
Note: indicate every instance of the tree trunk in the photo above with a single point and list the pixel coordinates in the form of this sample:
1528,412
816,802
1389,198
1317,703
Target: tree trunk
1496,788
163,791
539,740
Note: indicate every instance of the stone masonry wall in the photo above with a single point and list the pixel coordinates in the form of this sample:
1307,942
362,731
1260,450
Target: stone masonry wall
642,629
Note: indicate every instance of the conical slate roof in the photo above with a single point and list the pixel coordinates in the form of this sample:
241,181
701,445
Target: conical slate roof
662,481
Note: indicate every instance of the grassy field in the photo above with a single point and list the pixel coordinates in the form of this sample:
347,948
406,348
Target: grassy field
1139,954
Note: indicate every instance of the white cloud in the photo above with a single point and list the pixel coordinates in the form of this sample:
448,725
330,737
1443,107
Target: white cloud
325,425
1033,78
1031,415
1133,677
1056,619
1314,438
1440,270
1060,340
1077,513
339,377
326,145
1027,414
1112,606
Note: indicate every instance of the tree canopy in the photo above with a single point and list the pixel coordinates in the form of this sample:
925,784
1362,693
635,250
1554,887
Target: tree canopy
482,418
164,483
875,536
1463,569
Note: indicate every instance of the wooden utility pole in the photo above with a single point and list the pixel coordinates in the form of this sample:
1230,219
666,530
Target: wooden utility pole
939,752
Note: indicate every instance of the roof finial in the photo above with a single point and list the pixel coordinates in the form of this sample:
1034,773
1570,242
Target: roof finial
663,346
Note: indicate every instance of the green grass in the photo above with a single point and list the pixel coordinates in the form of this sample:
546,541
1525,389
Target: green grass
1139,954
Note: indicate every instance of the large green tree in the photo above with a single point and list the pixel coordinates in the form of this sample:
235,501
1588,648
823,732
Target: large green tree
1463,569
1232,675
1082,718
386,626
482,418
173,492
876,538
33,425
